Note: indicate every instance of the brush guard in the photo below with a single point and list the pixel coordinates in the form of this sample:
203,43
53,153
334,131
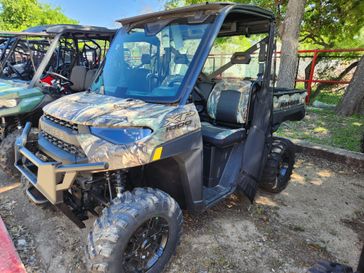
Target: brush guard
51,178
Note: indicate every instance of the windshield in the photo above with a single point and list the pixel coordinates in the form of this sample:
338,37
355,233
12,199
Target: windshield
150,63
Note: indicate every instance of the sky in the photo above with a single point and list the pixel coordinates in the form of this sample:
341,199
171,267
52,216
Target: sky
104,12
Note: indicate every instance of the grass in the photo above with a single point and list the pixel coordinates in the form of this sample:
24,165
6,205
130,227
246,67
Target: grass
323,126
330,97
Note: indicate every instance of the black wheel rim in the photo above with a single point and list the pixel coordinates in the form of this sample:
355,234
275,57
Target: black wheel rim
146,246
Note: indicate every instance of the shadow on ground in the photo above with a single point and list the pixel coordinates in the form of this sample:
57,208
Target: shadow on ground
319,216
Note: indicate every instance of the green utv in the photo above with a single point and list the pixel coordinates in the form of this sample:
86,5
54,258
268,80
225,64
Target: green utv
165,126
38,66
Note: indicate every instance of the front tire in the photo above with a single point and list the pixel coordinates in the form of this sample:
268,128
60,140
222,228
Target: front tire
139,232
279,166
7,153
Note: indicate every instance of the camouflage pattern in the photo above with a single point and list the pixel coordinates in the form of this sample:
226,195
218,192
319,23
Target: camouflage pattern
285,101
167,122
243,87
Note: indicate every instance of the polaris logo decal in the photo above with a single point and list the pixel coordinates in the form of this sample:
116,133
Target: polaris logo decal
178,121
289,103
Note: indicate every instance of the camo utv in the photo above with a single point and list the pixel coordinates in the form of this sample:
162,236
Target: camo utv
164,127
38,66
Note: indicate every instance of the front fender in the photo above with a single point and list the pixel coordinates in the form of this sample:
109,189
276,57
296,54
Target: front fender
28,99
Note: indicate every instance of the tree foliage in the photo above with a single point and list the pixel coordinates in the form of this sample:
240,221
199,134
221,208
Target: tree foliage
21,14
333,23
326,23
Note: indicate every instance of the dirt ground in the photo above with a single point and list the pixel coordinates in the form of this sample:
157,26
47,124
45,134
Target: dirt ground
319,216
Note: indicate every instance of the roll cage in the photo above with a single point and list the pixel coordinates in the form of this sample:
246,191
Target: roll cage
56,40
229,20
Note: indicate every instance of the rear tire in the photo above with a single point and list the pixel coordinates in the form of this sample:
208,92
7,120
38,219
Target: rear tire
279,166
115,244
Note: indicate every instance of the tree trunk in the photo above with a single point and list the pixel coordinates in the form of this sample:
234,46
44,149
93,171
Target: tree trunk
322,86
290,35
353,99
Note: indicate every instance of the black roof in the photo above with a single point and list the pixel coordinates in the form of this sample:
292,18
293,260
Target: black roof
55,29
190,10
52,30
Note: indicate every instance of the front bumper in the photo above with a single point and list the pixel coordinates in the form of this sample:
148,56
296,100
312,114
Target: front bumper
49,178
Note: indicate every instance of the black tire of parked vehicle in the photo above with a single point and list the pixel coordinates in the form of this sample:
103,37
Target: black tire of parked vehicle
279,166
329,267
7,154
129,218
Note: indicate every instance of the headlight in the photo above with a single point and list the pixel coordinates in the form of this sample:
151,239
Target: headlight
8,103
121,135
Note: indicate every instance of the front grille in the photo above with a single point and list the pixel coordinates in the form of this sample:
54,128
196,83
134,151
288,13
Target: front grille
63,145
69,125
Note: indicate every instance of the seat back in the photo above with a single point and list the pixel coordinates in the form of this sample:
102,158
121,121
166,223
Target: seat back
89,77
78,76
228,102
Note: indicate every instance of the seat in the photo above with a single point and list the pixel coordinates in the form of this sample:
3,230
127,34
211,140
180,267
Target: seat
78,77
221,137
227,106
138,76
228,101
89,78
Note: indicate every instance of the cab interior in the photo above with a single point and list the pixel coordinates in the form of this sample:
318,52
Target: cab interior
225,91
224,96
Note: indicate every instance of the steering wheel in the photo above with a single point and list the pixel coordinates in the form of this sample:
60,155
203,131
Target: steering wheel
12,68
60,77
174,81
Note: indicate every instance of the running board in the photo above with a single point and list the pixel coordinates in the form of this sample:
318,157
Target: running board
213,195
228,180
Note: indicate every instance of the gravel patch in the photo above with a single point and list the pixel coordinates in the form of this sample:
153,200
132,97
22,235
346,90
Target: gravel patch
319,216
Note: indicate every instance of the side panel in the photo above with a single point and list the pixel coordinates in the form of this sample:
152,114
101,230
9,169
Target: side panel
28,99
179,173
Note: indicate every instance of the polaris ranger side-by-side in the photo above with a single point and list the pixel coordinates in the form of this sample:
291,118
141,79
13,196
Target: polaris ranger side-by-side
162,129
38,66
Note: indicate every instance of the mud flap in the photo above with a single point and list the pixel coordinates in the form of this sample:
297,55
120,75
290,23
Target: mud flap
248,185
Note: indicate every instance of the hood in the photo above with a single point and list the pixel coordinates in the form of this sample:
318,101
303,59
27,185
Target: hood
106,111
16,89
89,109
